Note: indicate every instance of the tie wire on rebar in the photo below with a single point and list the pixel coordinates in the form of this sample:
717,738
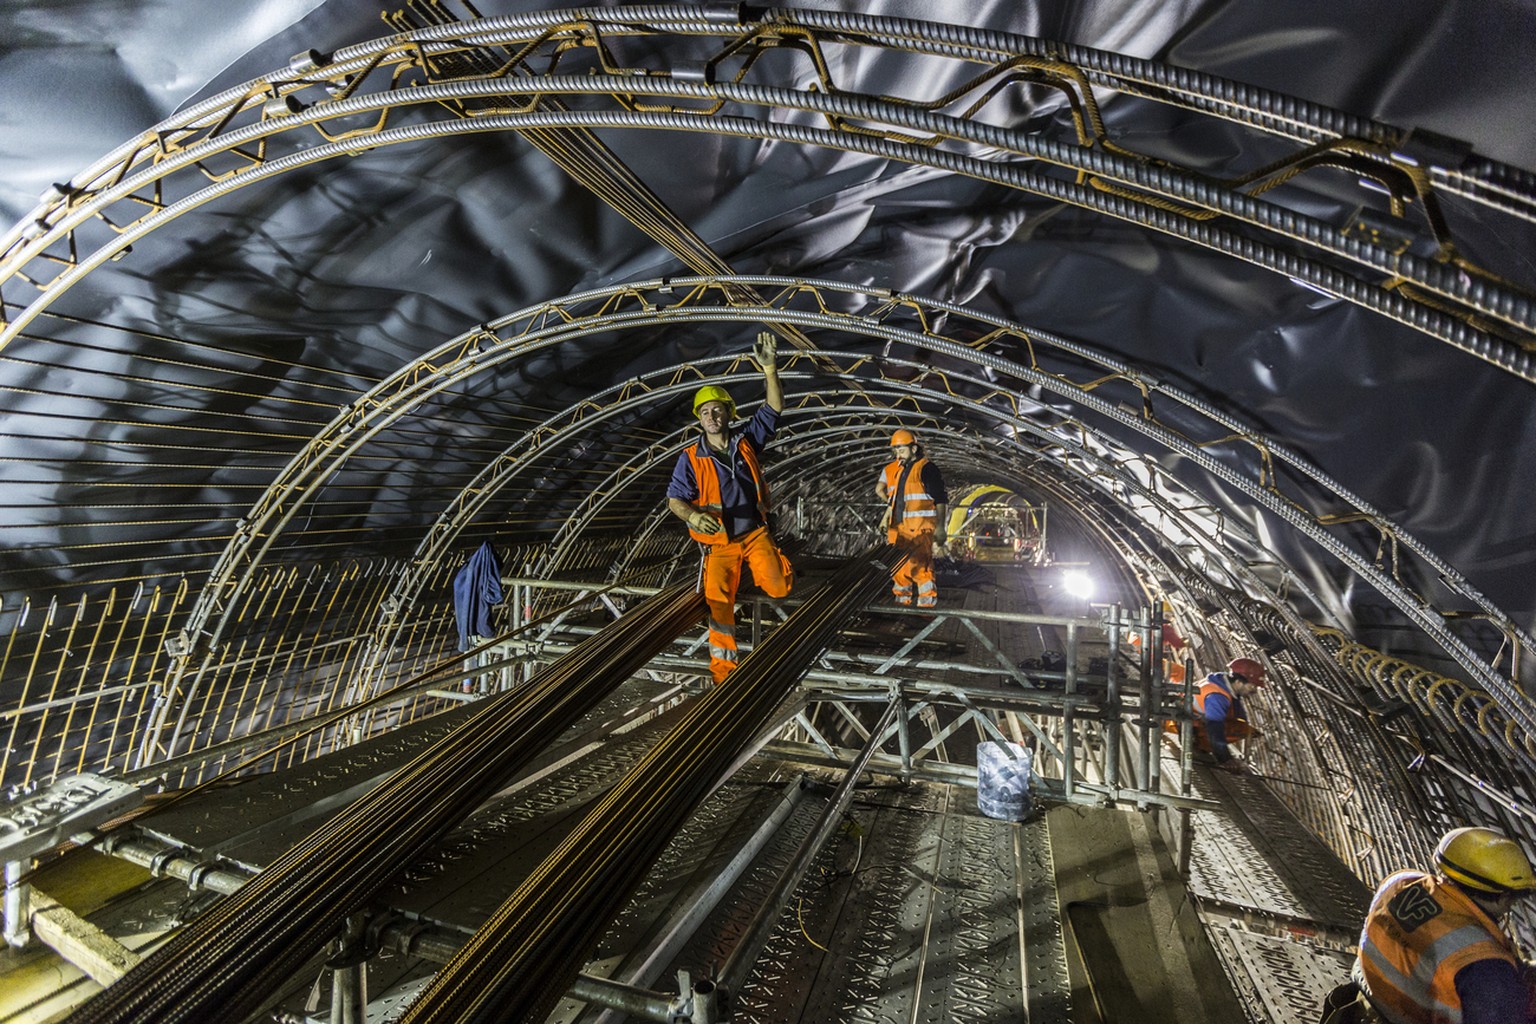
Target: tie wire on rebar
528,954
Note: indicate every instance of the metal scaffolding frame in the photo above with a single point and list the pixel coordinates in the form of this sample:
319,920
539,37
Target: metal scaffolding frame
726,75
1098,716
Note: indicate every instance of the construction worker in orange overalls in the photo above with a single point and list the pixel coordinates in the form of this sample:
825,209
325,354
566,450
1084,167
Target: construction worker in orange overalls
718,489
1219,714
1432,950
1173,646
917,505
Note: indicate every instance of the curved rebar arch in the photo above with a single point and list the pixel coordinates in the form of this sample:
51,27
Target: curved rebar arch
641,305
1121,184
875,319
639,392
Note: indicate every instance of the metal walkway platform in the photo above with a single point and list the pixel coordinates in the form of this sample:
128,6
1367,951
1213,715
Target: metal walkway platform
919,909
1281,908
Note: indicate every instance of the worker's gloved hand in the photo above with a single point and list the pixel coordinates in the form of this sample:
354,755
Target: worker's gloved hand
885,520
1234,766
766,351
702,523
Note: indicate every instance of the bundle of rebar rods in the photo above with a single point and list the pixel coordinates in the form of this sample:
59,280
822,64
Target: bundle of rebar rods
224,965
528,954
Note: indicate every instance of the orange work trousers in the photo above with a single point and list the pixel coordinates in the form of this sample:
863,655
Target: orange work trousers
915,537
772,573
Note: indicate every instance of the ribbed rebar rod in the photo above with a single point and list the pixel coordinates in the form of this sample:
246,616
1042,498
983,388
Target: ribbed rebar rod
1219,97
529,952
224,964
1508,356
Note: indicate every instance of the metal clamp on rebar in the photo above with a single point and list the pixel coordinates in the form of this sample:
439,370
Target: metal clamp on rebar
283,106
178,645
520,648
158,861
389,608
697,72
308,61
719,12
198,874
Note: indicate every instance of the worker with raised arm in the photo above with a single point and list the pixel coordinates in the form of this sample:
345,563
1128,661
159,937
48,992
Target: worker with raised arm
718,489
1433,951
1219,713
916,507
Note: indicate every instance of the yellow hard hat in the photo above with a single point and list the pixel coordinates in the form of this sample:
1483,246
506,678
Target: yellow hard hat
903,437
714,393
1484,860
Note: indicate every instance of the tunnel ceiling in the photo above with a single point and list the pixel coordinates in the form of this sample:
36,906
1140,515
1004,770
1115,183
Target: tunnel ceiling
307,286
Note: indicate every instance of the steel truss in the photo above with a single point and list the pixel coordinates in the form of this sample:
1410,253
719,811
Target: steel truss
1079,721
708,70
719,80
988,382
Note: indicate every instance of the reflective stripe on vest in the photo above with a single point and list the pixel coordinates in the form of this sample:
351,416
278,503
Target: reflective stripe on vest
916,503
1419,932
707,476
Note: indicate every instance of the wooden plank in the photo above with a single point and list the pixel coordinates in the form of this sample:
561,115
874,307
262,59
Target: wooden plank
96,953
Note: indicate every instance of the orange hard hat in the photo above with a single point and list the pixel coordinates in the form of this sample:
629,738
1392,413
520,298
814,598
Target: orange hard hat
1250,670
903,437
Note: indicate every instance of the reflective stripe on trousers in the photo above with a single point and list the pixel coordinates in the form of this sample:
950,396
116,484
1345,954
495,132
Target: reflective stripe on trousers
916,539
722,576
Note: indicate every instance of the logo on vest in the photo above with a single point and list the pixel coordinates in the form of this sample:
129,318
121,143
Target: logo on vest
1413,907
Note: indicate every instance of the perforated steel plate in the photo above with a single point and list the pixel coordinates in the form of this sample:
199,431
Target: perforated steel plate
1254,854
1280,981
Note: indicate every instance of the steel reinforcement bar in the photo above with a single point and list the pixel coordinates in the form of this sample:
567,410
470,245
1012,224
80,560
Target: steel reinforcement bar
527,955
224,964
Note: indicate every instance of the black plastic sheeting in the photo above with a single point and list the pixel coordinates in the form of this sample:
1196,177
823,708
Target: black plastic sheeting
351,269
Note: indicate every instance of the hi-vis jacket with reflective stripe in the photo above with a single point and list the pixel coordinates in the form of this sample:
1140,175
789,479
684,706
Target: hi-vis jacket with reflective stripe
908,498
707,476
1419,932
1213,684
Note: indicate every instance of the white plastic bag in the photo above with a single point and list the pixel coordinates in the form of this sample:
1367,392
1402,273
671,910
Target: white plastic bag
1002,781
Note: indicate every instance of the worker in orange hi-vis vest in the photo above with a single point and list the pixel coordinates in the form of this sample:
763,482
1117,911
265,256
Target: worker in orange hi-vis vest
1173,654
917,505
1173,650
1432,950
718,489
1219,713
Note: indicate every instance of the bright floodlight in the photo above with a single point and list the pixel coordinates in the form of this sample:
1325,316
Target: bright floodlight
1077,583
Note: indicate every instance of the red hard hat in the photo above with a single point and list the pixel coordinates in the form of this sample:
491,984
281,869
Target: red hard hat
1249,669
903,437
1171,638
